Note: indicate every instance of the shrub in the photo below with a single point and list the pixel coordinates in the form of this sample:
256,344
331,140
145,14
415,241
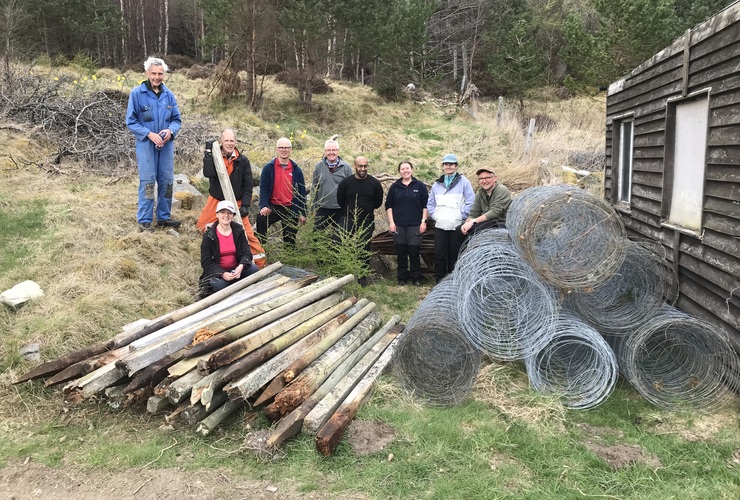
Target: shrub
177,62
85,61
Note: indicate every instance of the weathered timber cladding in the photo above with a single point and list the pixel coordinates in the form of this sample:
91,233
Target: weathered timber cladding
705,61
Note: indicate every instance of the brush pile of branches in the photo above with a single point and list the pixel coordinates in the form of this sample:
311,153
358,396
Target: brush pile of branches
85,124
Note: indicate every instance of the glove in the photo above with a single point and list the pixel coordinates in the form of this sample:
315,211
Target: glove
244,210
209,146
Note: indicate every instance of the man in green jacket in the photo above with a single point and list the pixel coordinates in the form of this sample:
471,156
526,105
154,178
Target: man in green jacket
490,205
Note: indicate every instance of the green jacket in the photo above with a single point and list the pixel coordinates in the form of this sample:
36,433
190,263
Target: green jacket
494,207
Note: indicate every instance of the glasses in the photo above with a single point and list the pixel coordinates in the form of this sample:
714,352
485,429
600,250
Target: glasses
285,147
487,178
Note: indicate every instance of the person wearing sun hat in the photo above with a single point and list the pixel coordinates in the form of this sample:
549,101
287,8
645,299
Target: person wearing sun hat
450,201
491,203
224,252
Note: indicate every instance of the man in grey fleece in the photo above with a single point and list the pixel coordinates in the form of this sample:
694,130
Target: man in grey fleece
327,175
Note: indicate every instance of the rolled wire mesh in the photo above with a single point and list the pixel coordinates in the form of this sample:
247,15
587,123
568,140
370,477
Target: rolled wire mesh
505,309
677,361
575,363
434,360
573,239
629,297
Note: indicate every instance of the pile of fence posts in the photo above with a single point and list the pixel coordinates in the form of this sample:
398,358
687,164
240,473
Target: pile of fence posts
301,337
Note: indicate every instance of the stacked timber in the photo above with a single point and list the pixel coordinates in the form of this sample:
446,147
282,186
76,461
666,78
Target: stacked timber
295,342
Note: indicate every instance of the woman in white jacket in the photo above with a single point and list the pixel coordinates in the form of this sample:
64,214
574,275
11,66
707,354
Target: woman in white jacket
449,203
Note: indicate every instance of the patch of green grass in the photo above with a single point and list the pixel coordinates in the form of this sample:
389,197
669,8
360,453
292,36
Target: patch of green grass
21,225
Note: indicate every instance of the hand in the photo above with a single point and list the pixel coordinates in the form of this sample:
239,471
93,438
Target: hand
237,273
392,228
165,134
423,227
209,146
466,227
265,211
156,139
228,276
244,210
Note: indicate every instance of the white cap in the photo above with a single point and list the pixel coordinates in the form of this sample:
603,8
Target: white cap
225,205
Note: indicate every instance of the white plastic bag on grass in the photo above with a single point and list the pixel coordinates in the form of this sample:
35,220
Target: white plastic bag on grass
21,293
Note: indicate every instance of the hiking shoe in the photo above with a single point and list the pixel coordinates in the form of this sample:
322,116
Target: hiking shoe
418,283
146,227
363,282
401,282
169,223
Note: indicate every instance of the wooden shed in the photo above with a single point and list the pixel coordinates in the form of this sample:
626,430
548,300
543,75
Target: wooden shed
673,163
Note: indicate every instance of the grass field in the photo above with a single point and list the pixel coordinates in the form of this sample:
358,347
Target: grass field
73,231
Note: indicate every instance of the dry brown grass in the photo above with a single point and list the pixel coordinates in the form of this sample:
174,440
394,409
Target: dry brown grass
99,273
506,387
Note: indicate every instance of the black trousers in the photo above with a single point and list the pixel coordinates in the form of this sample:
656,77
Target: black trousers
327,217
365,230
407,240
287,218
446,248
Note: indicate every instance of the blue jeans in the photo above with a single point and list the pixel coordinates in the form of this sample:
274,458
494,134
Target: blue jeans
156,173
218,283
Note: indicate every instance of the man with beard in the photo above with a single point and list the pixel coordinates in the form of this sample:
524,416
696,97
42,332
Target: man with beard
358,196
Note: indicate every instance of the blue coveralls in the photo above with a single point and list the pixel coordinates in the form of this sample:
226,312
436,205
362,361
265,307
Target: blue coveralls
147,114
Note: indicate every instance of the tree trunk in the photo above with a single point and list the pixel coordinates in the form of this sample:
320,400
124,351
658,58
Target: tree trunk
166,25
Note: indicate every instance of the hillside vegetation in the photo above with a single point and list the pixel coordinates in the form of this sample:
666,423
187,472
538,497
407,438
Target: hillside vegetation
71,228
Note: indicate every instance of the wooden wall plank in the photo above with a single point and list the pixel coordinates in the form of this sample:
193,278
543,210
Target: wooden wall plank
645,205
722,284
716,51
721,173
698,292
730,98
727,208
726,115
648,165
722,224
694,309
724,136
719,241
713,74
647,192
727,190
713,257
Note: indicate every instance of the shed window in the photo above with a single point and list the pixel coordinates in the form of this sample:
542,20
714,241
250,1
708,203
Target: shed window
623,175
683,194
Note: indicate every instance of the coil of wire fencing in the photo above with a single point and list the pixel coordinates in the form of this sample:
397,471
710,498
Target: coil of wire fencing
434,360
676,361
575,363
573,239
630,296
505,309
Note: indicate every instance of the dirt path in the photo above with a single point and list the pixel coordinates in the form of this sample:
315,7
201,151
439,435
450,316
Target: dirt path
36,481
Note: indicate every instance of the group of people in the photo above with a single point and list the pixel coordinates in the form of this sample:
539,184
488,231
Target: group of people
342,196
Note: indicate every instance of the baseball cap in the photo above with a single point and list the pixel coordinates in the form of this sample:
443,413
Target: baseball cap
225,205
449,158
485,169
